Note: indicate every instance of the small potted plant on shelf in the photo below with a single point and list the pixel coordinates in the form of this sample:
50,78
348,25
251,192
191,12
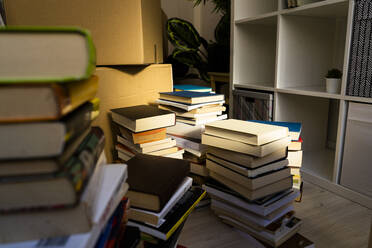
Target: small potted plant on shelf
333,81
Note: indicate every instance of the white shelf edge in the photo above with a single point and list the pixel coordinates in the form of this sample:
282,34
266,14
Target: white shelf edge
310,6
254,87
309,93
256,18
337,189
358,99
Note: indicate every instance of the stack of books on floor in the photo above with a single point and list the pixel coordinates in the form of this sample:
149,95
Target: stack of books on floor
194,107
50,156
161,196
295,152
252,186
142,129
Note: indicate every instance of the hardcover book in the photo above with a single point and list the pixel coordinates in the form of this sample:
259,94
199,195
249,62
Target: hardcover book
186,106
143,118
41,102
191,97
45,54
43,139
62,188
190,87
153,180
294,127
247,132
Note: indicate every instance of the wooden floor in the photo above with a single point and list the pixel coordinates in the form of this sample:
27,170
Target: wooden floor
329,220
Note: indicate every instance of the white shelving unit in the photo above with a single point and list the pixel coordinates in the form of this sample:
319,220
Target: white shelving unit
288,52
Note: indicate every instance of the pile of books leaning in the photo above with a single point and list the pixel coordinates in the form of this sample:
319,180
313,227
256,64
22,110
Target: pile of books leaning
251,185
142,129
55,185
194,107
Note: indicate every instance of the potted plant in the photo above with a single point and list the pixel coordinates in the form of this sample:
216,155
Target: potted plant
333,81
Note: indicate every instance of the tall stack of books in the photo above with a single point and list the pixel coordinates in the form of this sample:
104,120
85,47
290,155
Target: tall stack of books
252,184
161,197
194,107
142,129
50,156
294,149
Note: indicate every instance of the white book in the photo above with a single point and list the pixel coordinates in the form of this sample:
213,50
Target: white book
277,201
186,130
190,115
186,106
166,143
156,218
178,154
203,121
187,143
249,216
111,192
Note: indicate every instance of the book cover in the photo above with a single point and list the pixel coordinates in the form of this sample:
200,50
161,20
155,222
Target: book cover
155,176
190,87
293,127
46,54
191,97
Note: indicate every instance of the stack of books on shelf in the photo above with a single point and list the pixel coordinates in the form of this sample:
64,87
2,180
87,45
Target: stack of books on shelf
194,107
252,184
142,129
294,149
161,196
50,156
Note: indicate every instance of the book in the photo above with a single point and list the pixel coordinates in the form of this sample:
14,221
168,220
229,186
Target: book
177,155
188,107
295,158
232,145
37,166
287,231
246,182
294,127
245,160
148,188
186,130
202,111
276,201
190,87
62,188
269,189
297,241
246,132
248,172
110,192
248,217
296,145
148,147
175,217
186,142
143,118
43,139
45,55
191,97
202,121
156,218
44,102
295,171
143,137
199,169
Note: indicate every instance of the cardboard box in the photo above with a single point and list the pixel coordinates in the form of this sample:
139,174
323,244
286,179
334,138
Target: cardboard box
125,32
128,87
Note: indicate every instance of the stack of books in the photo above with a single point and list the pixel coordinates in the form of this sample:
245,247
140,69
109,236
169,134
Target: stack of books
252,186
161,196
194,107
50,156
190,87
142,129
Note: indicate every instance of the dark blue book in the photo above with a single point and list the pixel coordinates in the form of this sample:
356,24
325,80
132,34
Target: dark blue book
189,87
294,127
191,97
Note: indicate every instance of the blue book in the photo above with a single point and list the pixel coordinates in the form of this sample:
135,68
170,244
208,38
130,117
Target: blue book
190,87
191,97
293,127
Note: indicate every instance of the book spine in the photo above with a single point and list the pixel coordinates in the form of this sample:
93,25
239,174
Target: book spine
80,166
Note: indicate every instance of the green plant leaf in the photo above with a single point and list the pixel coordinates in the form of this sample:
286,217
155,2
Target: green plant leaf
183,35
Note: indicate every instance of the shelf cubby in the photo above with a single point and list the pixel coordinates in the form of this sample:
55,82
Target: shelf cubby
250,8
325,8
308,47
254,61
319,118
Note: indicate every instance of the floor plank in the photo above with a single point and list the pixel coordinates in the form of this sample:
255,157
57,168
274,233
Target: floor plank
328,220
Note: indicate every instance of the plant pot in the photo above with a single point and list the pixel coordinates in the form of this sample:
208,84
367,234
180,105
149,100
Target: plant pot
333,85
